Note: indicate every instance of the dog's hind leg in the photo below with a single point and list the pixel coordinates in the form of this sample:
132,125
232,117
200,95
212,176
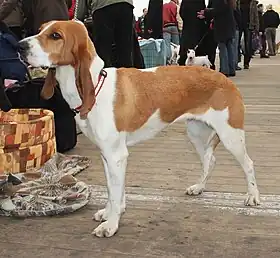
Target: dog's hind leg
205,140
234,141
114,155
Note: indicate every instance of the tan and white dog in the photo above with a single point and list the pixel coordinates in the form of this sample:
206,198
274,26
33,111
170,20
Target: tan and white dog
134,105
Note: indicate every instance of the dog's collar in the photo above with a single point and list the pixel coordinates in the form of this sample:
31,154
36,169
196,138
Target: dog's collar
101,79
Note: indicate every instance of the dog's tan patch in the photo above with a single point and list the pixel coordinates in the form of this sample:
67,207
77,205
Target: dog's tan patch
173,91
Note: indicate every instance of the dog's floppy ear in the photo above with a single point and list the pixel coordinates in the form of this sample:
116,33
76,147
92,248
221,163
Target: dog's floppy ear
84,80
49,85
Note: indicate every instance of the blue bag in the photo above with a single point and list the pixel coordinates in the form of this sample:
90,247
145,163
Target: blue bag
11,67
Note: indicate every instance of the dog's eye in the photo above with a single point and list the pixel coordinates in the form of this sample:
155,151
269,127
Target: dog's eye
55,36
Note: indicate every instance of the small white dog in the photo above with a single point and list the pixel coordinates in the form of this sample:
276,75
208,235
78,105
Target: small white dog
175,49
197,60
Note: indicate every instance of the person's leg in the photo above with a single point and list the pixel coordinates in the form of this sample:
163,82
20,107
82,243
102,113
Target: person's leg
103,34
210,46
167,39
269,41
247,50
138,60
273,39
263,43
231,56
175,38
183,48
123,34
223,58
235,48
239,44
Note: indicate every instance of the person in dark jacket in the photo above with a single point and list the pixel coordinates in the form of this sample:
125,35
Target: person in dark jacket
224,32
11,14
194,29
42,11
271,23
154,20
209,44
262,32
113,24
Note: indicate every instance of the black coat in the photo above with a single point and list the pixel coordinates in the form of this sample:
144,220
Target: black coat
154,19
271,19
193,27
224,22
237,17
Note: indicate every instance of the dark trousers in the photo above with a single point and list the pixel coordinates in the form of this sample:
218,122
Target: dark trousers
210,46
227,57
114,24
263,42
137,57
5,104
17,30
270,34
248,44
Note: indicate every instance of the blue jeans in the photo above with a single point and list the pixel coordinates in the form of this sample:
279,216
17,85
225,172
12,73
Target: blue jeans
236,48
227,59
171,34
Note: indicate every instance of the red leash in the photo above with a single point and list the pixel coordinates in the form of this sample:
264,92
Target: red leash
101,79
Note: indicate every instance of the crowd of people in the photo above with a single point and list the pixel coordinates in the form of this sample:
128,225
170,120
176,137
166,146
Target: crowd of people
235,27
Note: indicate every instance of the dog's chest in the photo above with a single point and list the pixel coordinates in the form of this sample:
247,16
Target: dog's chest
66,78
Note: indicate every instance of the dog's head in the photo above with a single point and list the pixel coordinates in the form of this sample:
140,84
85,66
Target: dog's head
62,43
191,54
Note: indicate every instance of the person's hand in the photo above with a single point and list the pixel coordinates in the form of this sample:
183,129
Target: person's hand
260,33
211,25
150,31
200,14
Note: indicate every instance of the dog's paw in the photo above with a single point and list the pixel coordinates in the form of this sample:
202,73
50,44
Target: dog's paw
106,229
195,189
101,215
253,199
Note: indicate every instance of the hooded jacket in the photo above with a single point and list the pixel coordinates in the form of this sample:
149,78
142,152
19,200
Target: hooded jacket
10,12
98,4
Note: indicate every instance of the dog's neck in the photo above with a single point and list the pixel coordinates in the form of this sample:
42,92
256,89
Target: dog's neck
65,76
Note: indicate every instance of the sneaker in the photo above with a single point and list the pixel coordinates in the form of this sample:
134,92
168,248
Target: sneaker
238,68
246,66
266,56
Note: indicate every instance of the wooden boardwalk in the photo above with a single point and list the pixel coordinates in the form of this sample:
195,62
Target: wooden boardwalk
160,220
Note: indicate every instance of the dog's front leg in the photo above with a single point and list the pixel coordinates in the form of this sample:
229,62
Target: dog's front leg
115,162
